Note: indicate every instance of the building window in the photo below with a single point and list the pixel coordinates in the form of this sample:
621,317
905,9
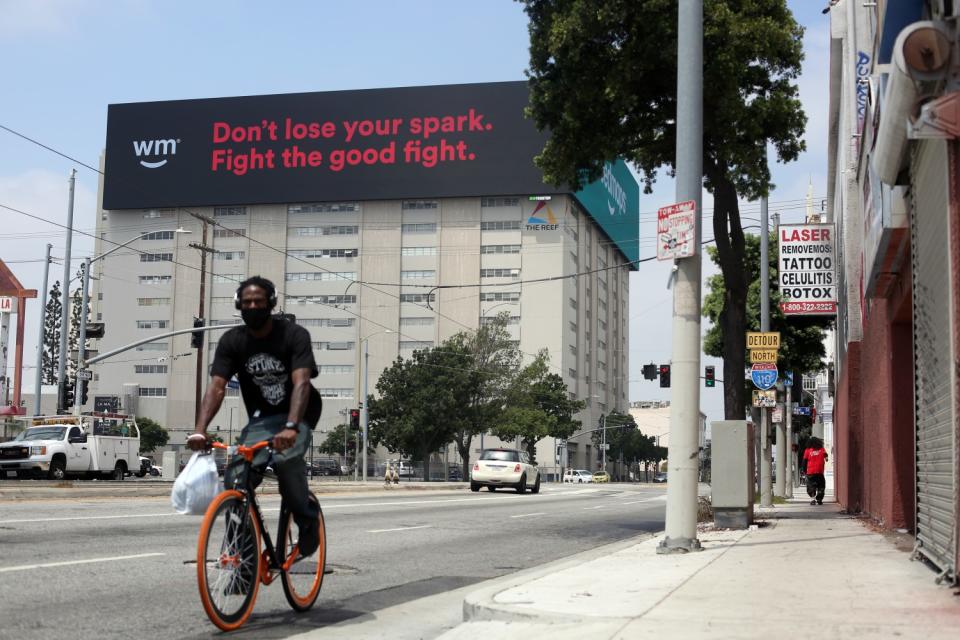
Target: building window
152,324
220,212
149,368
324,207
601,345
572,373
485,320
326,322
500,202
323,253
573,327
332,299
573,303
500,296
334,369
418,251
500,248
601,365
153,392
157,235
417,275
156,257
148,280
150,214
418,298
572,232
228,278
230,255
415,345
409,205
323,276
573,257
335,393
229,233
222,323
500,225
416,322
500,273
153,346
152,302
573,350
326,230
342,345
419,227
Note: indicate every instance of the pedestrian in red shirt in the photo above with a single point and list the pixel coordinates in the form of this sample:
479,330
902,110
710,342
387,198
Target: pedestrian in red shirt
815,457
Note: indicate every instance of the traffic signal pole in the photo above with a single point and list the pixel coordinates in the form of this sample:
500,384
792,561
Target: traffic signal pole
683,457
766,484
82,346
65,293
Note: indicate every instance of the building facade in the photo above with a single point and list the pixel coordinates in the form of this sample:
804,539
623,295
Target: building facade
373,276
893,193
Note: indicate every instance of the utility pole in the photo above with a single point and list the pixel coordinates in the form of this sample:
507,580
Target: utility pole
766,499
43,320
783,439
681,521
204,250
65,307
82,346
603,440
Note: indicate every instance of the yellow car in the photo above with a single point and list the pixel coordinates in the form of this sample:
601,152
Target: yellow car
601,476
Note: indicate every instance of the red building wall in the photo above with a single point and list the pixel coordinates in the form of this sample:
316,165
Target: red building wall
848,429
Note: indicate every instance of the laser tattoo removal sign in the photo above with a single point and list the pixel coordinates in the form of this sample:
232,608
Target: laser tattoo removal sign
807,265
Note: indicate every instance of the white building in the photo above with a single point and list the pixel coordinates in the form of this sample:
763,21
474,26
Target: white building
397,272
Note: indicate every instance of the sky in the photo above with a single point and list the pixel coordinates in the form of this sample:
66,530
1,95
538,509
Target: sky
64,61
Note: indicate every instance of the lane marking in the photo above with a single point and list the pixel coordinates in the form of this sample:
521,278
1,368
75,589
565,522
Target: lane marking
26,567
597,507
528,515
423,526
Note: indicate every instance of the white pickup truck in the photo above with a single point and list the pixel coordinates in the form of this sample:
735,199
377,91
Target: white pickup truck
98,445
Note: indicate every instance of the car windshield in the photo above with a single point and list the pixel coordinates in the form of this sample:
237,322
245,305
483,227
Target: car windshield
583,472
42,433
502,456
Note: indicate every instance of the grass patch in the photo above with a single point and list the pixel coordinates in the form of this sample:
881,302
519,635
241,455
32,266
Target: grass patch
776,499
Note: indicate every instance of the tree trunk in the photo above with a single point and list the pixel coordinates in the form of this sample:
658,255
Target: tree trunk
425,454
728,234
464,441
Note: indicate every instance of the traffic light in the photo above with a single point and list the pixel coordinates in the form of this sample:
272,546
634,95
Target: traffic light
196,338
650,371
354,418
83,392
664,375
710,376
66,395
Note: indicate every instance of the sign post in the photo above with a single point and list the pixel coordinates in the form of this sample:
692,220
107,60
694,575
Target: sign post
676,226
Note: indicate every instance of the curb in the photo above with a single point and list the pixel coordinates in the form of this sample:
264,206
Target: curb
481,605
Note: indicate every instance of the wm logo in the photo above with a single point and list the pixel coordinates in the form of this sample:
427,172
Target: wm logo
154,148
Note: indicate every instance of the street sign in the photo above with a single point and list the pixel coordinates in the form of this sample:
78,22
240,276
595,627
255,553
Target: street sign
763,355
84,374
676,228
801,411
106,404
7,305
788,379
777,414
765,399
764,375
763,340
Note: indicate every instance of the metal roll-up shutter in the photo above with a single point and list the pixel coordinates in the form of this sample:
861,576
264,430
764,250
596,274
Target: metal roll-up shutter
933,354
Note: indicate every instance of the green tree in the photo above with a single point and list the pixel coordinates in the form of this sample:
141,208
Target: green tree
51,335
538,406
489,360
152,435
801,337
333,444
603,83
73,337
415,412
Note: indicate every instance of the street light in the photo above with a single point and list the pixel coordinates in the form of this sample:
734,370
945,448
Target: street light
366,414
81,348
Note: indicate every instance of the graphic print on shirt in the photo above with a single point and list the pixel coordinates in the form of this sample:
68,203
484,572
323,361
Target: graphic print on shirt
268,373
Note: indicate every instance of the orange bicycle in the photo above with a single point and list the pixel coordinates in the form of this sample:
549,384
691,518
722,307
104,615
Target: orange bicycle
230,563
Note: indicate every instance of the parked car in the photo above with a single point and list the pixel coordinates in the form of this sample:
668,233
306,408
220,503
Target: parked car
577,475
505,468
455,474
660,477
145,465
324,467
601,476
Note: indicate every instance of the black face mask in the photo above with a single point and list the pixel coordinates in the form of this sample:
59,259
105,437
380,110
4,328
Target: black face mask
255,318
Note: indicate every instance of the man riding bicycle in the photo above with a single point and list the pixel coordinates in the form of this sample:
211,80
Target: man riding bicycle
273,359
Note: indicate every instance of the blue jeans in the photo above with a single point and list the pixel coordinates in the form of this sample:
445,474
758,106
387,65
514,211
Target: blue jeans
289,465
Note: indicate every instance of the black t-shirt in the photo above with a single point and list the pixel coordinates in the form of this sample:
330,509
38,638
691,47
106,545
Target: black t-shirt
263,366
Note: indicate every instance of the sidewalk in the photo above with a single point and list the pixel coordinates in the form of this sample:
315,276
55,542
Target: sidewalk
804,571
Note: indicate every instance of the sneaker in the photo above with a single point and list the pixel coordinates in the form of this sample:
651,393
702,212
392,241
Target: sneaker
819,501
813,502
309,539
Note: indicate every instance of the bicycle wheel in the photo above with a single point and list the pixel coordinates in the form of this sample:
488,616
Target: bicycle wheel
228,560
302,581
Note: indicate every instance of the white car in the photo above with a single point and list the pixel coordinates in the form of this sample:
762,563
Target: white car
505,468
577,475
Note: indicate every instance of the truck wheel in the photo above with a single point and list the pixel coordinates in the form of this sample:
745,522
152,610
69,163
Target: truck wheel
58,469
119,472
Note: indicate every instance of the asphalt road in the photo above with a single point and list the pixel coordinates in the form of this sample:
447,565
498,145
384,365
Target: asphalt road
124,568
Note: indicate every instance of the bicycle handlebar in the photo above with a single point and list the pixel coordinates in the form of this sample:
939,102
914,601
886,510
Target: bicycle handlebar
246,452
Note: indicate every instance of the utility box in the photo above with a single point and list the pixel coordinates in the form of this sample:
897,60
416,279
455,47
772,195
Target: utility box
732,486
170,465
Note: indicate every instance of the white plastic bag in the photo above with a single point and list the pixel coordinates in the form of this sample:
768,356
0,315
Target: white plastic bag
196,486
